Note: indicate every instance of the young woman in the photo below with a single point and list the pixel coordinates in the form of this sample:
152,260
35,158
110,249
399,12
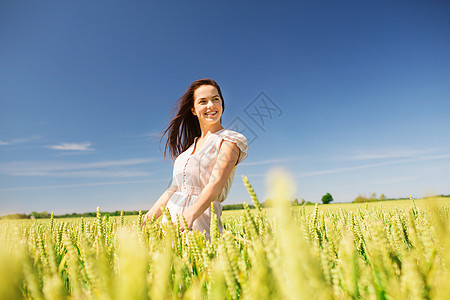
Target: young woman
206,155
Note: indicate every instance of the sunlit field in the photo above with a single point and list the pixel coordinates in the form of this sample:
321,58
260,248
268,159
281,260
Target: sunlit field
388,250
384,205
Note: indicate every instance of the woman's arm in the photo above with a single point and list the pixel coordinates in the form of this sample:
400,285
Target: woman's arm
226,160
162,201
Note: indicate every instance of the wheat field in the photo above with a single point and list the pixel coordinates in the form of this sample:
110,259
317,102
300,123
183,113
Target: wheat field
319,252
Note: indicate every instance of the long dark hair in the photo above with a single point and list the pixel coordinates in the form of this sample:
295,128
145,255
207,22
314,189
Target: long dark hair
184,126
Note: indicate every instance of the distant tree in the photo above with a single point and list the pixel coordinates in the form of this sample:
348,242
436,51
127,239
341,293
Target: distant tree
295,201
303,202
41,215
372,198
360,198
15,216
327,198
236,206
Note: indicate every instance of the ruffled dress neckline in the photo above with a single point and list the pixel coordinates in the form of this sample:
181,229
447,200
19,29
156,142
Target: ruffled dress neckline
204,144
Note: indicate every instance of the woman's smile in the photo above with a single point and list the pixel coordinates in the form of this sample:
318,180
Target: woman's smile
211,114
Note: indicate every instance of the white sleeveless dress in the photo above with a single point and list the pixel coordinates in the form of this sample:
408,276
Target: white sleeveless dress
191,173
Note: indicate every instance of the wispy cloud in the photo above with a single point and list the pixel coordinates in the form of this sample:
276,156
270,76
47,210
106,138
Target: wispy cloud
20,141
153,135
111,168
377,154
273,161
384,181
87,174
444,157
72,147
64,186
340,170
366,166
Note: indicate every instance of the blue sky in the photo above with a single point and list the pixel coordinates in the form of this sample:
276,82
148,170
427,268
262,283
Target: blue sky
358,94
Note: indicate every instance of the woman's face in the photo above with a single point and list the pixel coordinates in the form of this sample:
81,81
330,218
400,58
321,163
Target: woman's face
207,105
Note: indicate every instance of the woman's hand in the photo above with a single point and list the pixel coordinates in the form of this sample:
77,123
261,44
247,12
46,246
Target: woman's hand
157,209
146,218
189,222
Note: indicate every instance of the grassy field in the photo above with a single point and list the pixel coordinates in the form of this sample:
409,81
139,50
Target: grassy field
388,250
385,205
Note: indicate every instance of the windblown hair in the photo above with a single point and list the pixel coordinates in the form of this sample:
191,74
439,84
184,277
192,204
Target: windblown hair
184,127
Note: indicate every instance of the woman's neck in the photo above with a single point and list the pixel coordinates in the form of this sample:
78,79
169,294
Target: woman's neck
208,130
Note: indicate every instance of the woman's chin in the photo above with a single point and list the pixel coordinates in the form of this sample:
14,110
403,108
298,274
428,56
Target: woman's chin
212,120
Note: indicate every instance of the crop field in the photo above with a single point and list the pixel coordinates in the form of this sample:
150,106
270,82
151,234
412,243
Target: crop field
393,250
380,205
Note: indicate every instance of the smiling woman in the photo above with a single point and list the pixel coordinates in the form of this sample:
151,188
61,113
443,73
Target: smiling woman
206,157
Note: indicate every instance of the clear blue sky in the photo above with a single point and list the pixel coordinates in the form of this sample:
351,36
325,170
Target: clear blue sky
362,88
